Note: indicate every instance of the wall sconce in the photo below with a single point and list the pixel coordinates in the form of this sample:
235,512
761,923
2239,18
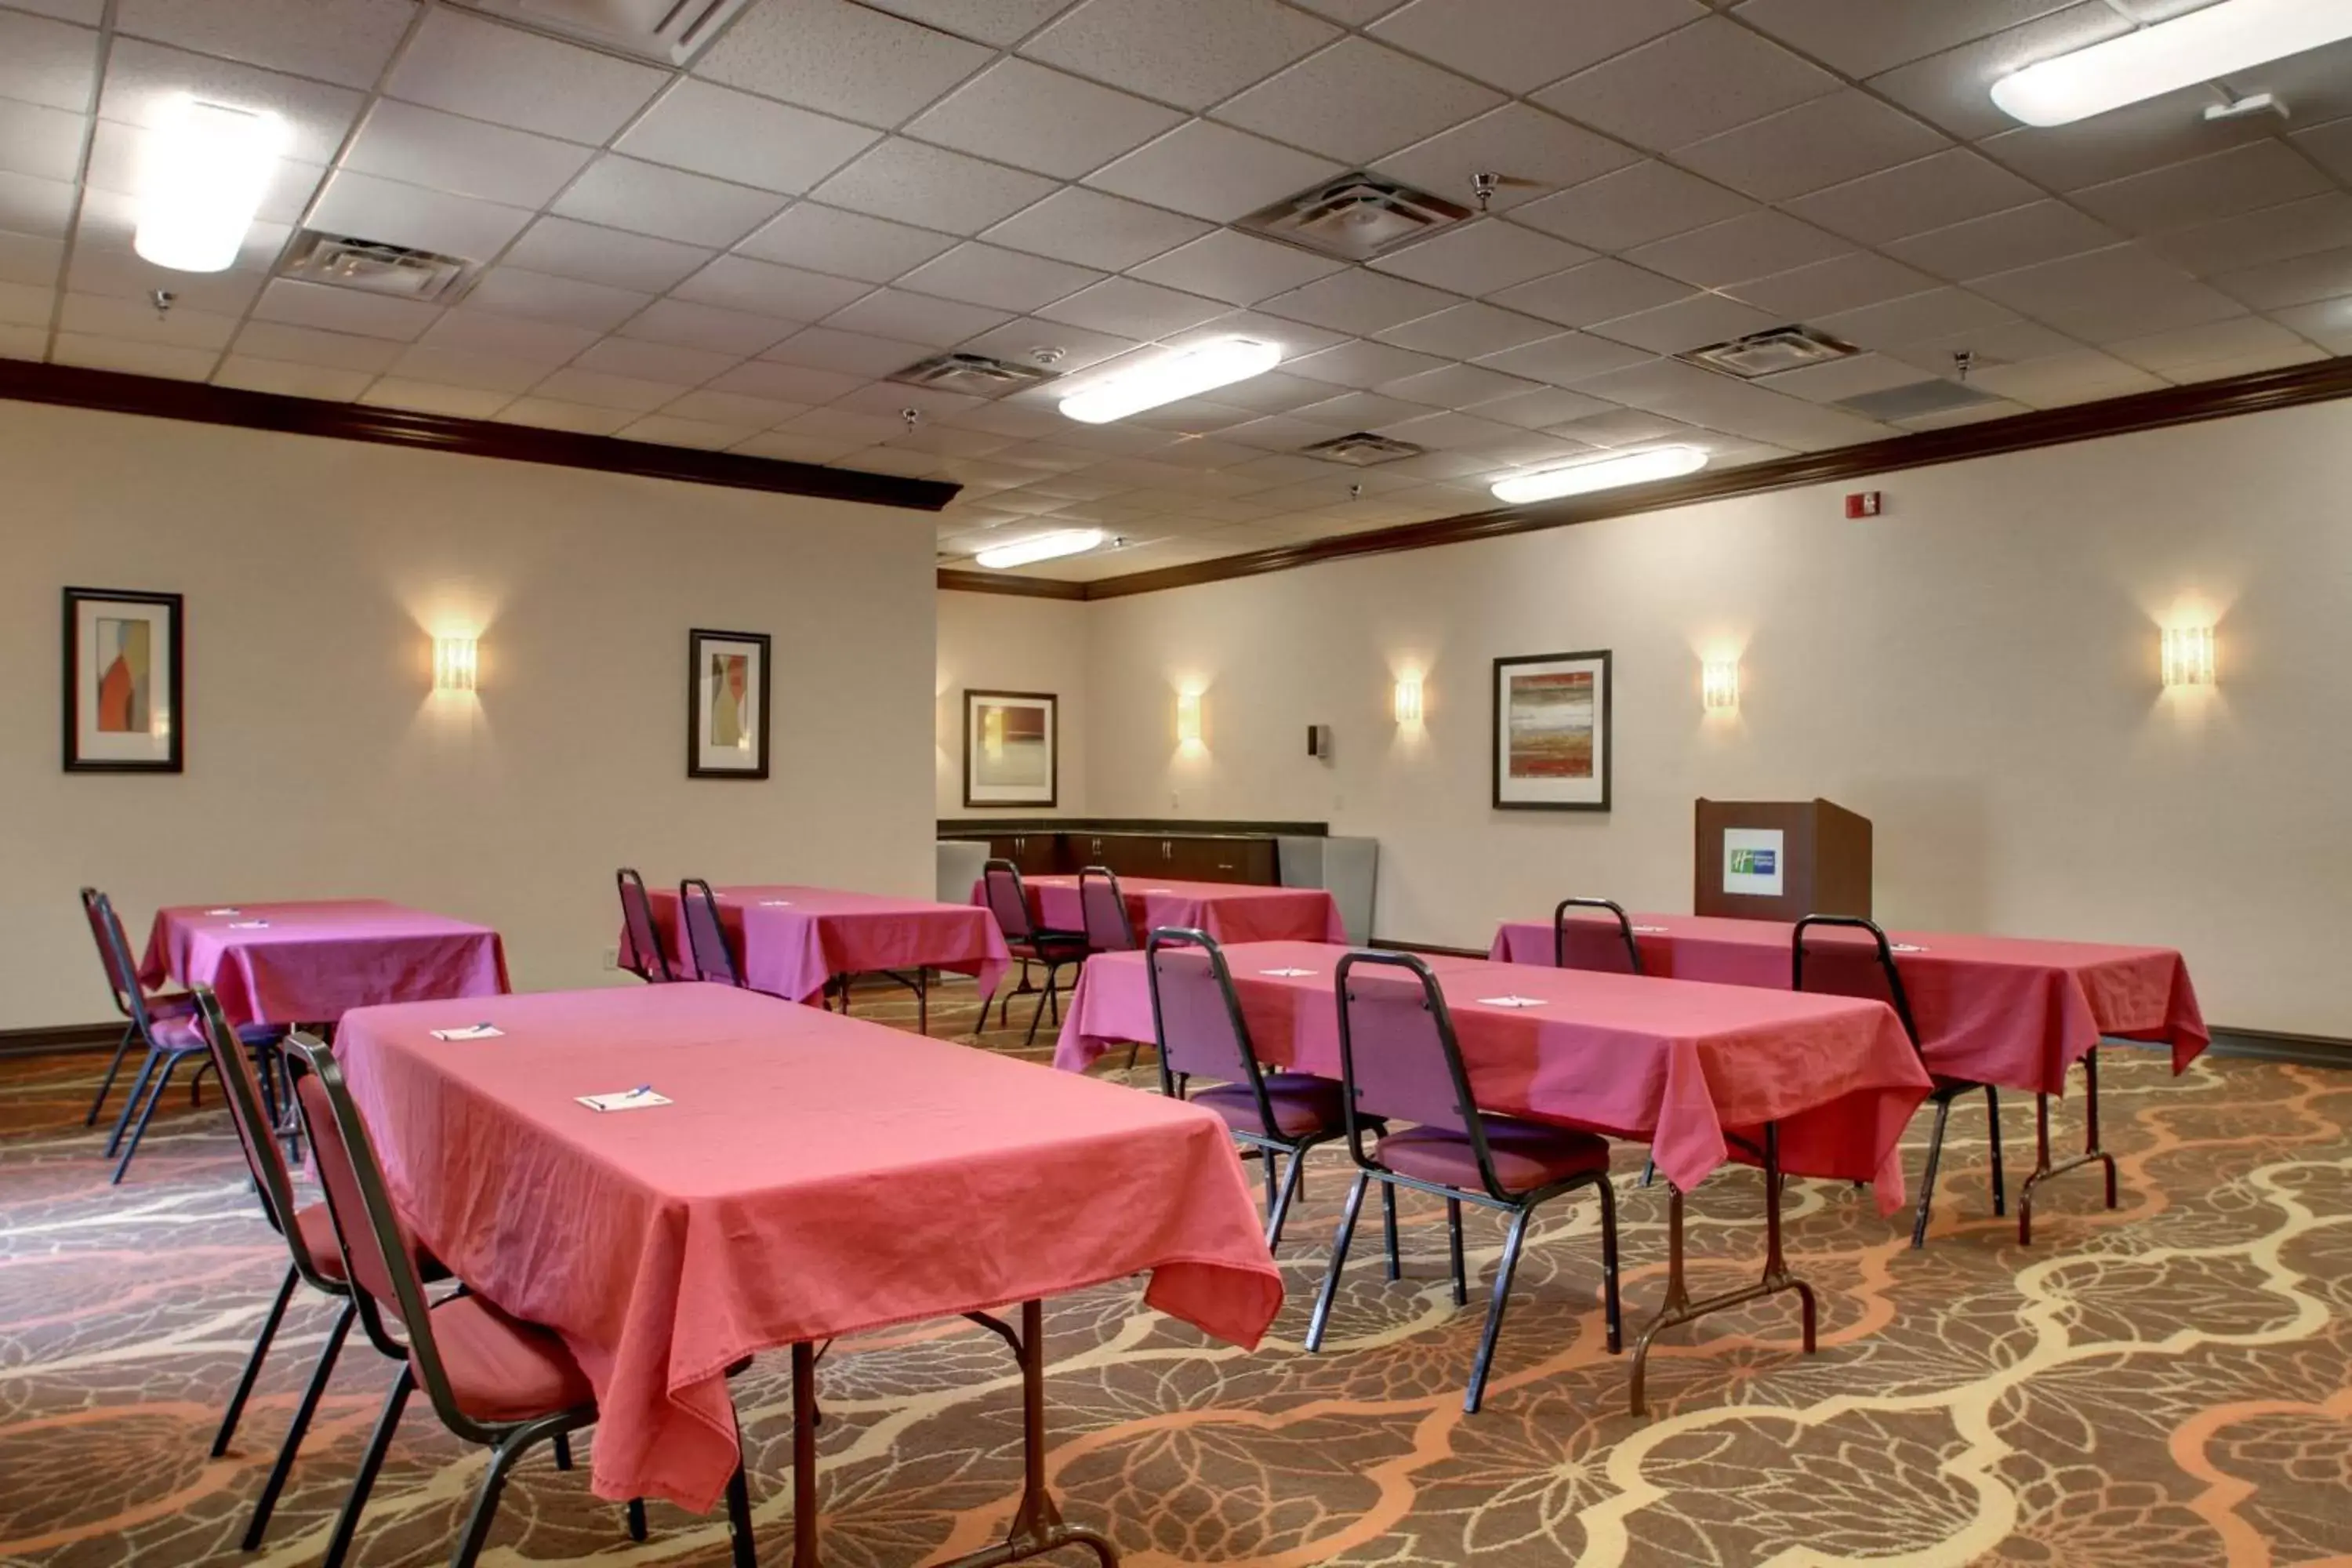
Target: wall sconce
1408,702
1188,718
1719,685
2188,656
453,664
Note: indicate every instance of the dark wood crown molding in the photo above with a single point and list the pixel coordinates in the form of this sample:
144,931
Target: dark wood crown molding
965,582
2257,393
74,387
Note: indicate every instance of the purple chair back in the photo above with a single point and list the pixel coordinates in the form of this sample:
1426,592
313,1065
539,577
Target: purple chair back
263,1157
122,974
706,934
1580,942
1196,1015
646,958
1398,1054
91,899
1841,966
1008,900
1102,910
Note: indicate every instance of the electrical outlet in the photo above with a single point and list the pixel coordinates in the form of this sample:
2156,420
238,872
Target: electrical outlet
612,958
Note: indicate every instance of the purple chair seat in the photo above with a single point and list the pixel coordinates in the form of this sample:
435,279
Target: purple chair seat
172,1005
316,1227
1526,1155
502,1369
1303,1104
186,1034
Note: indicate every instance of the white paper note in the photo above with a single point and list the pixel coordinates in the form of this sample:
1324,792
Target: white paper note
628,1099
224,911
248,925
1510,1001
1287,974
470,1032
1650,931
775,903
1906,947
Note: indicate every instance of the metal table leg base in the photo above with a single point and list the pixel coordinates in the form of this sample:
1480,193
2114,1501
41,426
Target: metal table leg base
1037,1525
1679,1309
2092,1153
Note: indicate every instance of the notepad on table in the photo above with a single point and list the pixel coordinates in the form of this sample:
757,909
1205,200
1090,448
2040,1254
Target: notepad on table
1650,931
1510,1001
627,1099
1287,974
470,1032
1907,947
248,925
224,911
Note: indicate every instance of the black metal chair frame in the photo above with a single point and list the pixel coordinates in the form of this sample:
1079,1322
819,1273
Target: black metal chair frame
1945,1091
634,903
690,889
420,1356
1520,1206
1633,958
1054,949
89,897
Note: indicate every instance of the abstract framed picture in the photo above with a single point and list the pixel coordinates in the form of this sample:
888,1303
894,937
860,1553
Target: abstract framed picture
727,705
122,682
1551,741
1011,748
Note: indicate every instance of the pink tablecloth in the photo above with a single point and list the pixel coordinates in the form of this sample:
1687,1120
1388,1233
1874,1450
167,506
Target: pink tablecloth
1229,912
1678,1064
2000,1010
790,940
310,963
815,1175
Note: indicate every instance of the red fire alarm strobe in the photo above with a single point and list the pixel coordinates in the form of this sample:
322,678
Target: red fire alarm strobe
1861,503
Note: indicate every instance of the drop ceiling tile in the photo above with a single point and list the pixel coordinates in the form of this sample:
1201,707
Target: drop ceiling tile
47,63
1952,90
1360,411
143,80
379,209
612,256
2247,364
2274,234
2003,342
1840,379
910,183
29,306
980,274
657,362
1686,324
463,367
1459,386
1821,143
1843,283
2022,236
779,447
2279,285
765,288
1755,245
851,244
1465,331
1192,54
536,296
288,380
1211,172
790,384
2330,146
1935,192
101,269
547,413
1357,101
601,391
2129,140
463,157
476,67
425,398
2316,85
849,354
344,310
1567,359
621,193
1598,290
1623,428
1273,393
1361,364
1519,45
1974,414
344,41
1096,230
120,157
484,332
864,429
1133,308
734,136
2065,379
1293,339
669,430
1543,408
1688,84
693,326
2244,338
308,346
1481,257
844,59
133,358
1535,153
733,408
1914,318
998,22
2225,184
2125,290
1359,301
41,143
1238,268
2327,323
135,320
1025,114
1019,341
1860,37
915,318
1634,206
90,13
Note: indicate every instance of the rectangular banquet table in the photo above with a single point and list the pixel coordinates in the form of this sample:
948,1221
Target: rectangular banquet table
795,941
815,1175
310,963
1229,911
2012,1012
1802,1084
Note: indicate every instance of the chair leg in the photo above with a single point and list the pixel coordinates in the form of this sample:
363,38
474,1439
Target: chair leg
1454,1247
1927,1182
130,1106
1649,1170
347,1523
1281,1208
299,1426
139,1128
1039,1015
1502,1272
1269,1161
1612,1306
1992,1132
1323,1298
564,1450
253,1364
486,1505
130,1038
196,1082
739,1513
637,1512
1389,1228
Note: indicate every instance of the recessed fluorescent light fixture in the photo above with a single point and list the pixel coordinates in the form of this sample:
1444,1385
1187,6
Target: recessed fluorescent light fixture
2204,46
1603,474
1188,373
206,175
1040,547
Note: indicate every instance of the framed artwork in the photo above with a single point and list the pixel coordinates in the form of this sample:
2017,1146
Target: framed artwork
1551,735
122,708
727,705
1012,754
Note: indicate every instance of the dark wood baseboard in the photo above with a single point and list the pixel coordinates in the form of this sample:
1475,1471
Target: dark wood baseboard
59,1039
2271,1046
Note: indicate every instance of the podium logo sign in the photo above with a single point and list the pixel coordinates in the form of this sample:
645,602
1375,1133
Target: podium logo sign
1754,861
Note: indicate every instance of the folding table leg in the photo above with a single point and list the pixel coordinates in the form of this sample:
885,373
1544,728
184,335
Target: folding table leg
2042,1168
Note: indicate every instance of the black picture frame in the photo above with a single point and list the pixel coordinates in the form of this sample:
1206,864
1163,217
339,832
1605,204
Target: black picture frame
708,754
975,794
1537,794
83,748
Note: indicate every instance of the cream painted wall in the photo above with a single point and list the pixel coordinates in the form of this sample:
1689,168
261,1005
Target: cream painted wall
1975,671
320,764
995,642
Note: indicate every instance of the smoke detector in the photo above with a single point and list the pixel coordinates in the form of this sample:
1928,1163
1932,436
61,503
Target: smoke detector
374,267
1355,217
1361,450
667,32
1769,353
976,374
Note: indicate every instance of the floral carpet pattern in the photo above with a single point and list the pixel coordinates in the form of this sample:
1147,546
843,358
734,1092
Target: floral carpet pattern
2169,1384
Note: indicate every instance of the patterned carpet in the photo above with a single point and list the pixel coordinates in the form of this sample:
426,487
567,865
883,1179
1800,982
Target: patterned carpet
2170,1383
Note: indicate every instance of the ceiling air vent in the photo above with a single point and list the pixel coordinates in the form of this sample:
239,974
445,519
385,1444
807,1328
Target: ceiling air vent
974,374
1769,353
667,32
1361,450
1916,401
374,268
1355,217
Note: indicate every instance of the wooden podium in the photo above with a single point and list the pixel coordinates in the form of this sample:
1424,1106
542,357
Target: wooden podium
1781,860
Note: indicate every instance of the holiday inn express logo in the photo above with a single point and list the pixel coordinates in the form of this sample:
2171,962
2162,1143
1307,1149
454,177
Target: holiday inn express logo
1752,862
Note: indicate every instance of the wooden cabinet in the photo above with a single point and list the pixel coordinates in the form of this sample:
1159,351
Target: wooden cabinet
1036,854
1133,853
